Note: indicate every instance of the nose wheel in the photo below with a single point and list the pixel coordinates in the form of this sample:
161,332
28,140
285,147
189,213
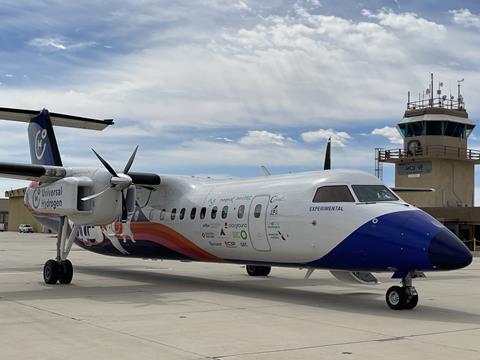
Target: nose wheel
402,297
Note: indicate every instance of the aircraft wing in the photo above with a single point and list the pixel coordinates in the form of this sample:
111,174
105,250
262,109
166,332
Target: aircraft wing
47,173
32,172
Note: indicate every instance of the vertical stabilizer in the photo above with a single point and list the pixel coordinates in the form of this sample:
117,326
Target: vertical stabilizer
327,164
43,144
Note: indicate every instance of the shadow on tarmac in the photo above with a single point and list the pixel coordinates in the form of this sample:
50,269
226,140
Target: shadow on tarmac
154,286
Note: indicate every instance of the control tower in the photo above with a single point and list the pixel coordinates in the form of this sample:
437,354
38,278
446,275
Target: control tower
435,152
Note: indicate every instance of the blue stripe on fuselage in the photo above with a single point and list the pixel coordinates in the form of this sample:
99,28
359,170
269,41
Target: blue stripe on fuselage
395,241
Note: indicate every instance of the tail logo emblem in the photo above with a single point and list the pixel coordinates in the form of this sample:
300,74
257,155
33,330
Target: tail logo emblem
40,143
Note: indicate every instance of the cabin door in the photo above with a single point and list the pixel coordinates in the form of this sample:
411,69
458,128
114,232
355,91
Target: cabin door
257,223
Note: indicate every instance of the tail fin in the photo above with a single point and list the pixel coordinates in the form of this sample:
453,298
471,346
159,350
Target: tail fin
43,144
327,164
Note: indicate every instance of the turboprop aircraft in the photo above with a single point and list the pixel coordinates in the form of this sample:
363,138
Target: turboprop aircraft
344,221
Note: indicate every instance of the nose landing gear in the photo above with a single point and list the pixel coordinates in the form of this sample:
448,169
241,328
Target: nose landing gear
404,297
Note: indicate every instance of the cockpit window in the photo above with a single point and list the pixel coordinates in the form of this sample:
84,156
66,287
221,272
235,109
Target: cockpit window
372,193
333,193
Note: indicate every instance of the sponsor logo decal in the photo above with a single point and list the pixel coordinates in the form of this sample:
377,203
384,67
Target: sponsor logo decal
244,198
235,226
211,202
208,235
48,198
276,198
214,243
274,211
273,225
230,244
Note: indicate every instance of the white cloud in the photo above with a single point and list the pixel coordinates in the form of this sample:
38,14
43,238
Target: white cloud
407,22
57,43
466,18
390,133
224,139
256,137
339,138
241,5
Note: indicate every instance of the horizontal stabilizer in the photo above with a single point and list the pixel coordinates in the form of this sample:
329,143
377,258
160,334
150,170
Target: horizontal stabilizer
355,277
57,119
32,172
411,189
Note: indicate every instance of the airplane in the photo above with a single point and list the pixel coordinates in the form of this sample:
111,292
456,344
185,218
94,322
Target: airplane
344,221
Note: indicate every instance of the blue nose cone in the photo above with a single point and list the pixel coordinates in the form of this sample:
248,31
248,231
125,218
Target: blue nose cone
448,252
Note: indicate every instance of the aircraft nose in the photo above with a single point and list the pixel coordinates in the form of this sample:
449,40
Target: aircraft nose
448,252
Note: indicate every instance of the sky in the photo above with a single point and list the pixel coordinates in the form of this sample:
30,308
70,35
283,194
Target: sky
218,88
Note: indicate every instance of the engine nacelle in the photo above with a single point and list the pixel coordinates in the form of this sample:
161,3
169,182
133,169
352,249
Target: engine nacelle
64,198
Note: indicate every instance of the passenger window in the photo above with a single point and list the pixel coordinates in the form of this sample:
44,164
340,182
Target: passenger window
182,213
241,211
203,212
193,213
174,212
334,193
162,214
214,212
257,211
224,212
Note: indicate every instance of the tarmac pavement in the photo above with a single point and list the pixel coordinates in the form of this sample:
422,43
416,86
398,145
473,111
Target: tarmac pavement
118,308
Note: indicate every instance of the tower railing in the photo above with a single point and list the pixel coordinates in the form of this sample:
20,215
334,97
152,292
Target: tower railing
438,102
441,151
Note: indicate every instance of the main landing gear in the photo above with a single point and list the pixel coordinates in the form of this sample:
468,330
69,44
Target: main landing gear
404,297
257,270
61,269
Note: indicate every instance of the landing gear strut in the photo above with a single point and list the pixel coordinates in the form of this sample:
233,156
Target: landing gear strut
61,269
256,270
404,297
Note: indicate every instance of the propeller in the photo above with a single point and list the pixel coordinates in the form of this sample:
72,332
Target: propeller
119,182
327,164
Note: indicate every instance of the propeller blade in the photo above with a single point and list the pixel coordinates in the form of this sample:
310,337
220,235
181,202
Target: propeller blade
124,208
107,165
130,161
96,195
327,165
